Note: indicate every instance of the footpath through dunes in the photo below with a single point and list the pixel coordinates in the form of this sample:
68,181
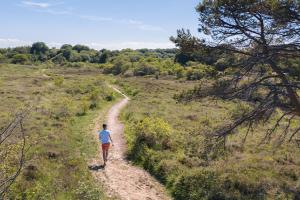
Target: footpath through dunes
119,178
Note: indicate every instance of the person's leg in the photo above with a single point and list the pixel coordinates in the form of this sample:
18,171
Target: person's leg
103,154
106,154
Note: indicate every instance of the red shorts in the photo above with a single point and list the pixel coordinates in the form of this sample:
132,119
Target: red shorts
105,147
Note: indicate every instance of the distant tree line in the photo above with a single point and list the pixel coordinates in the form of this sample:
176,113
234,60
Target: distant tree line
142,62
40,52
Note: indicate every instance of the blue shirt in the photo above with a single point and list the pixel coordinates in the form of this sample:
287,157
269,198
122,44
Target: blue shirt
104,136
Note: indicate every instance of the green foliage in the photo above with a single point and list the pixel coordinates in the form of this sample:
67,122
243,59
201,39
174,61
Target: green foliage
3,59
80,48
21,59
198,184
128,62
194,49
103,57
129,90
59,59
153,132
205,184
117,68
200,71
75,65
40,51
144,69
110,97
292,67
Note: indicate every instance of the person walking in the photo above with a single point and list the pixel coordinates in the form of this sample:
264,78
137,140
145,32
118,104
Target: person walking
105,138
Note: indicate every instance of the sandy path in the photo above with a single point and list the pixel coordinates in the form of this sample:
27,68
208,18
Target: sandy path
120,178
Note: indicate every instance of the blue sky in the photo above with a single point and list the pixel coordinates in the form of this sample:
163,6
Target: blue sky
111,24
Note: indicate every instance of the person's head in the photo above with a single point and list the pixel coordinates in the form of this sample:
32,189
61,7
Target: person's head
104,126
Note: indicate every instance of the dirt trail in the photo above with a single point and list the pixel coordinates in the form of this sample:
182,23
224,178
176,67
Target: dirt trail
119,178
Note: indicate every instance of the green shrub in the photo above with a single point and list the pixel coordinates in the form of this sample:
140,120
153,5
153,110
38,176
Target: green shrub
75,64
119,67
130,91
59,59
194,74
3,59
198,184
144,69
153,132
179,72
21,59
110,97
200,71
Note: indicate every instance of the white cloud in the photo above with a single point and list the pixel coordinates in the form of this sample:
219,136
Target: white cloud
47,7
58,12
36,4
146,27
140,25
13,42
95,18
134,22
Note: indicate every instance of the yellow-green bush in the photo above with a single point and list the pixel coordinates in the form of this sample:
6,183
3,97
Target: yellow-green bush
153,132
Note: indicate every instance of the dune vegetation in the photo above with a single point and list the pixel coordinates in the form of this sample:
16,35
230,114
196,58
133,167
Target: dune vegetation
63,104
171,141
214,118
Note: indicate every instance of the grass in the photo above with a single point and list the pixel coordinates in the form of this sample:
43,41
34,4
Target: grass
165,137
189,164
58,130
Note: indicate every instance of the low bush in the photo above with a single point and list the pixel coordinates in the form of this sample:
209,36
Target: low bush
117,68
21,59
110,97
75,64
199,71
144,69
198,184
208,184
152,132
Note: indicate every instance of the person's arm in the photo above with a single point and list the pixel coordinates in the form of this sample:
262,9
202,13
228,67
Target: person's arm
99,135
111,140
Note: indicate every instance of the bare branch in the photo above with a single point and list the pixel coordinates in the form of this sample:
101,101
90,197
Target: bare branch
294,134
8,131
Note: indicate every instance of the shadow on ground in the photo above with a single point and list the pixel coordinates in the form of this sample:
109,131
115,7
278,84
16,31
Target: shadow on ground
96,167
